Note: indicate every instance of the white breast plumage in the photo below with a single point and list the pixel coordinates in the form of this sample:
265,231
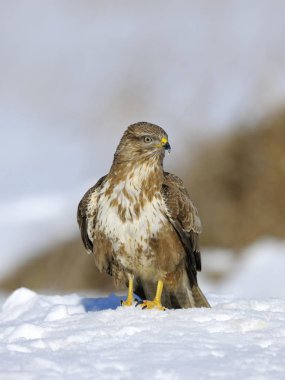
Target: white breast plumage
136,230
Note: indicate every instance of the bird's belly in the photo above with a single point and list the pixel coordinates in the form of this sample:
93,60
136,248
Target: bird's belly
132,238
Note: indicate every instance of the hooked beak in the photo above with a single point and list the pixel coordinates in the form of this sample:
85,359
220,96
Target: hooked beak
167,147
165,144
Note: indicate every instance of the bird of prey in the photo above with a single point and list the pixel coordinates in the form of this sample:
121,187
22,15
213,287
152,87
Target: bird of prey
141,225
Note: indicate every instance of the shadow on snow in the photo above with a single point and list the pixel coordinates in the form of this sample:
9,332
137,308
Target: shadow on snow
102,303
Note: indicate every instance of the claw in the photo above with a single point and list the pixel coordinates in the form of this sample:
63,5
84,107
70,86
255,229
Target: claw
126,303
151,305
138,302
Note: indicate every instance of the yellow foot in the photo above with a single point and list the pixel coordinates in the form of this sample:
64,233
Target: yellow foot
151,305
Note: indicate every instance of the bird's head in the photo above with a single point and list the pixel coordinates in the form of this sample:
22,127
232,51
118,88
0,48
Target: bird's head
142,141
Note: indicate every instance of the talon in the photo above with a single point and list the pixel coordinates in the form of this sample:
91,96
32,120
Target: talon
151,305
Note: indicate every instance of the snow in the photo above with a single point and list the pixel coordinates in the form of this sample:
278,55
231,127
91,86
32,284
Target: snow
260,271
69,337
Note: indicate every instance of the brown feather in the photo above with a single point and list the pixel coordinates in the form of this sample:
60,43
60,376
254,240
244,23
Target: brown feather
184,217
85,214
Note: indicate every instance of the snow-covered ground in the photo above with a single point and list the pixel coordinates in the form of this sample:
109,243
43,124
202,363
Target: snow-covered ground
69,337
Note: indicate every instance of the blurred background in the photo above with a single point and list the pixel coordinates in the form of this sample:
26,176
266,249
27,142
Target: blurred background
75,74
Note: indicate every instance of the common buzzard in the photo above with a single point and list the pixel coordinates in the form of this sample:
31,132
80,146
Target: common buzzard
141,225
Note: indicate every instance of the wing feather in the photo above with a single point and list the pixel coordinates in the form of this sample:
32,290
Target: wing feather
184,217
180,204
86,211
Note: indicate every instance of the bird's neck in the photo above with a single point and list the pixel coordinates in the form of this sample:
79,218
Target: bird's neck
141,175
131,186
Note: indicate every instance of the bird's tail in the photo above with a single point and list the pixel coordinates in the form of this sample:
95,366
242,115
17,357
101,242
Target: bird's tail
184,297
198,297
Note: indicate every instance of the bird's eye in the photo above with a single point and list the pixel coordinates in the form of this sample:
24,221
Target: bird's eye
147,139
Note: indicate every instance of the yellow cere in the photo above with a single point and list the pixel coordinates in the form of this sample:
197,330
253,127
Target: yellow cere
164,141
